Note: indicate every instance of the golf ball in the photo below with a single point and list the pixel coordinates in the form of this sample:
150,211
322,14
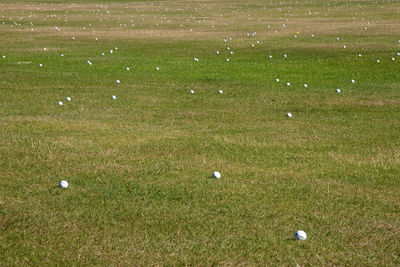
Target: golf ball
68,98
157,68
40,65
113,97
353,81
289,115
60,103
63,184
300,235
288,83
338,91
277,79
227,60
118,81
378,61
305,85
220,91
192,91
217,52
127,68
216,174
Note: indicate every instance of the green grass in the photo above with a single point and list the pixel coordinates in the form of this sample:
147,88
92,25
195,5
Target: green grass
139,166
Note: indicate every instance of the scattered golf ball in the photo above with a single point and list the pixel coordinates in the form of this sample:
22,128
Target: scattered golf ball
220,91
338,91
89,63
45,49
217,52
277,79
353,81
288,83
191,91
305,85
40,65
113,97
216,174
289,115
73,38
344,46
63,184
285,56
111,51
196,59
252,45
127,68
393,58
270,56
68,98
300,235
359,55
4,56
227,60
62,55
157,68
118,81
60,103
378,61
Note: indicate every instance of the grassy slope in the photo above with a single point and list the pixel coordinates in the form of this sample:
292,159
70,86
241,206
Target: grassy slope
138,167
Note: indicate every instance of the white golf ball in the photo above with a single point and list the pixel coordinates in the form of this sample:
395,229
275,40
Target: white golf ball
68,98
113,97
305,85
73,38
60,103
393,58
288,83
220,91
270,56
252,45
63,184
285,56
196,59
157,68
40,65
118,81
300,235
4,56
277,79
216,175
344,46
289,115
338,91
111,51
378,61
359,55
217,52
62,55
353,81
127,68
45,49
227,60
192,91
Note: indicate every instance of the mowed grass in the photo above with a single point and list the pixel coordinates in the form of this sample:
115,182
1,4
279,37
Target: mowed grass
139,167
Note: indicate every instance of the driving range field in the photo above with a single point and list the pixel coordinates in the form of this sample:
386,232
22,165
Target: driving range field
139,164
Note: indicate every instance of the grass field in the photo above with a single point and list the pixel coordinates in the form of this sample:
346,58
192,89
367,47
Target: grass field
139,167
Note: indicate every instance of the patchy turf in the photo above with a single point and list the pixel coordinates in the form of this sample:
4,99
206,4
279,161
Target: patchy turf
139,167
